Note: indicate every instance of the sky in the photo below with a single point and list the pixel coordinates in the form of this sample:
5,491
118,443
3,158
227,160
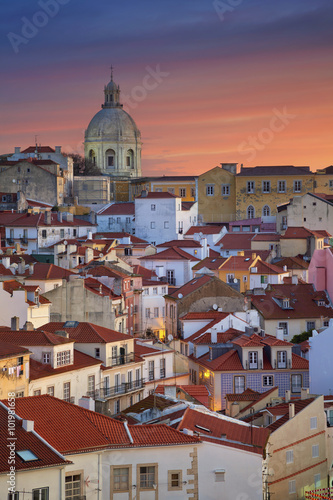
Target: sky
207,82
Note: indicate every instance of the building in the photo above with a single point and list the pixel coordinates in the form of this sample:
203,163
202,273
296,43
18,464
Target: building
112,140
117,217
14,369
260,189
153,306
217,194
321,372
184,186
161,217
321,271
301,241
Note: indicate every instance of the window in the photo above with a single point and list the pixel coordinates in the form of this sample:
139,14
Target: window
153,207
171,190
284,325
147,476
166,224
40,494
50,390
118,220
317,481
250,187
147,312
315,450
268,381
117,406
63,358
162,368
182,192
250,212
282,359
292,486
210,190
266,211
146,291
225,189
253,360
245,278
44,233
281,186
331,184
266,186
164,290
156,312
296,383
264,279
13,496
152,225
91,385
239,383
128,251
313,423
67,391
155,291
120,478
219,475
46,358
289,456
171,277
97,352
310,325
297,186
151,368
37,392
73,487
62,233
111,221
74,232
174,480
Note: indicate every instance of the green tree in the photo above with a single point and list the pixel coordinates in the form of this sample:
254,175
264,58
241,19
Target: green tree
298,339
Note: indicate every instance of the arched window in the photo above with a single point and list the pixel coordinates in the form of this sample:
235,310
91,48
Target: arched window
130,158
266,211
110,155
250,212
92,156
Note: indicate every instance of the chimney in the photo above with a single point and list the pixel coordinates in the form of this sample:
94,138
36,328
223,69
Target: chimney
89,235
291,410
5,261
28,326
87,403
294,279
279,333
213,335
60,216
92,217
47,217
28,425
234,410
58,149
144,193
287,396
31,268
254,255
171,391
230,167
285,269
304,393
21,266
14,322
17,150
188,432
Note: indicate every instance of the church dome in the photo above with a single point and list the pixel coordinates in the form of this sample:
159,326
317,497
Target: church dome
112,124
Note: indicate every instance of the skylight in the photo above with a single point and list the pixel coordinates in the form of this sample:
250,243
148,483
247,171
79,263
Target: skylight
202,428
71,324
26,455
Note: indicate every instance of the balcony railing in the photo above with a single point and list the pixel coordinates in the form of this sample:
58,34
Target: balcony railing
117,390
172,281
121,360
71,399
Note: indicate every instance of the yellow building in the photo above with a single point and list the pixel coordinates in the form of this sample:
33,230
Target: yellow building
260,189
217,194
14,370
324,180
237,268
183,186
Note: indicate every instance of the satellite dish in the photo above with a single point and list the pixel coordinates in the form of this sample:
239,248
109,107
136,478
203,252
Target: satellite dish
14,181
180,295
65,242
235,280
101,255
215,307
170,337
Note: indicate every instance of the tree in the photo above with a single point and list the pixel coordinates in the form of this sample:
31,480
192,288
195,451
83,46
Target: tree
83,166
298,339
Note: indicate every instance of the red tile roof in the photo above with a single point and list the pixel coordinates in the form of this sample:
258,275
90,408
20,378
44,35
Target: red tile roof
38,220
292,263
144,350
191,286
282,410
227,431
236,241
33,338
180,243
4,271
210,315
157,195
99,288
173,253
40,149
204,230
44,271
25,441
81,360
198,392
204,337
210,263
85,333
297,233
103,270
144,272
247,395
266,237
118,236
237,263
7,349
126,208
279,170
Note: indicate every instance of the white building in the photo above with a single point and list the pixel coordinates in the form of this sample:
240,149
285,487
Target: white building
163,216
116,217
320,361
153,306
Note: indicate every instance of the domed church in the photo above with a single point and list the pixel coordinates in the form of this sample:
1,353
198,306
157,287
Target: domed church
112,139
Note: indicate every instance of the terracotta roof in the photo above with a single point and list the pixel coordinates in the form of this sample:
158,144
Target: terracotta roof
199,392
210,263
246,341
126,208
296,233
103,270
45,271
238,263
282,409
81,360
38,220
99,288
266,268
191,286
172,253
203,230
151,401
7,349
266,237
144,272
261,396
209,315
33,338
156,195
236,241
144,350
204,337
86,333
292,263
180,243
302,299
4,271
247,395
227,431
25,440
118,236
280,171
229,361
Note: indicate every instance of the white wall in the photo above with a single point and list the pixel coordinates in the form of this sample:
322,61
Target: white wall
320,362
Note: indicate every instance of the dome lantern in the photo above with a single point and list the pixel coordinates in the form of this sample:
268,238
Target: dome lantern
111,94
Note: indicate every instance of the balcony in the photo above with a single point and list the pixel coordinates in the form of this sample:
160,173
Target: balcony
121,360
117,390
172,281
